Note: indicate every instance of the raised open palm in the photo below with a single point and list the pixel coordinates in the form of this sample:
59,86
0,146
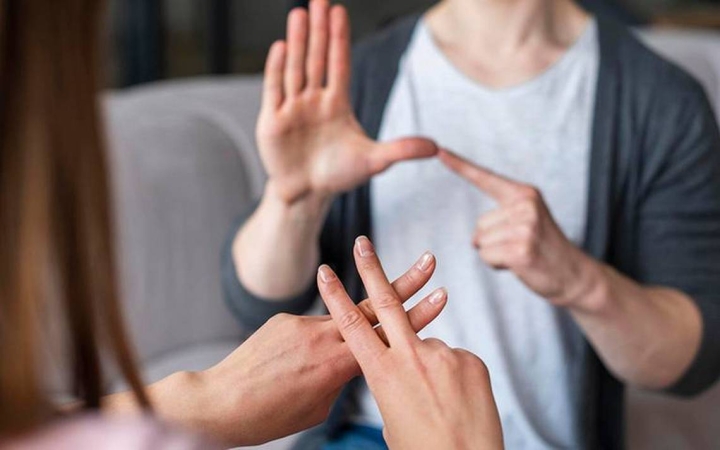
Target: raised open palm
310,141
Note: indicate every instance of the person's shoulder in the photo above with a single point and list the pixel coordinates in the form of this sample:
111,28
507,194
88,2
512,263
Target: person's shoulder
641,71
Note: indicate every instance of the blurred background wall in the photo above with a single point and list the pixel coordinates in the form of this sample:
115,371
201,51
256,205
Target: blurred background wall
156,39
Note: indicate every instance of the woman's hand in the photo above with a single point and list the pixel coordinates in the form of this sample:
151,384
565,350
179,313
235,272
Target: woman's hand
282,380
309,139
430,396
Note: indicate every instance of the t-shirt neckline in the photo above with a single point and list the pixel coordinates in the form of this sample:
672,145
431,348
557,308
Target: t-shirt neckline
423,36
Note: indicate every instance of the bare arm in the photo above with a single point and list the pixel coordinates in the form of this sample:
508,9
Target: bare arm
276,252
647,336
312,147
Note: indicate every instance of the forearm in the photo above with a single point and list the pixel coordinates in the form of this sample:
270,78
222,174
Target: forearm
180,399
646,336
277,252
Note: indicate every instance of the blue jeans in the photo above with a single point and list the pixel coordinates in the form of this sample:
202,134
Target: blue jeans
358,437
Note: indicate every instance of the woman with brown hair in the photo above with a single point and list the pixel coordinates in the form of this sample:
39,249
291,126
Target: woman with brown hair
58,292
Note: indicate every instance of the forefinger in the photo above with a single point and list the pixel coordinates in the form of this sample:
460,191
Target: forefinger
361,338
383,298
496,186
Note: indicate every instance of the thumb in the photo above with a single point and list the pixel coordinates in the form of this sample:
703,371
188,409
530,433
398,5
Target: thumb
385,154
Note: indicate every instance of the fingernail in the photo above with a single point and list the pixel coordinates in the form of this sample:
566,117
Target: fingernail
364,246
438,296
326,274
425,261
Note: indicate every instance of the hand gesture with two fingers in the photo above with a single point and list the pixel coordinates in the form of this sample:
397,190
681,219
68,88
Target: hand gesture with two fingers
309,139
306,362
430,396
521,235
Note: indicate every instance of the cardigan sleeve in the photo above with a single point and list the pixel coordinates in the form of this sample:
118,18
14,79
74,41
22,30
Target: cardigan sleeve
678,223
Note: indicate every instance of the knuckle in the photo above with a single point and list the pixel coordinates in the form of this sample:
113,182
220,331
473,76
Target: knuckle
532,193
530,209
385,300
525,255
474,363
434,342
533,213
367,310
526,231
281,319
481,370
316,336
524,206
350,321
414,277
449,358
367,265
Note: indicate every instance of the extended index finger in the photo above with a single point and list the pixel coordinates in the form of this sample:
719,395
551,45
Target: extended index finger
407,285
496,186
355,329
383,298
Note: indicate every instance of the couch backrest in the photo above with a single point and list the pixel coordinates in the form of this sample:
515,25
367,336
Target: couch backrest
184,166
696,51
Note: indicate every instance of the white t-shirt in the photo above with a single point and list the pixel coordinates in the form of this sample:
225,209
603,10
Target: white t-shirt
539,133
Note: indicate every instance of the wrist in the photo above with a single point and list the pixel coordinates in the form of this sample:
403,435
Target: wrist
309,209
311,203
179,398
587,288
173,399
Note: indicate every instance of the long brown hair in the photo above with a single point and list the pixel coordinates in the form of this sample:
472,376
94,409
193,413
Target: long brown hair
56,242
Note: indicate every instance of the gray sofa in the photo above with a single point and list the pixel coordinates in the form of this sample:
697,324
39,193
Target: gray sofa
184,165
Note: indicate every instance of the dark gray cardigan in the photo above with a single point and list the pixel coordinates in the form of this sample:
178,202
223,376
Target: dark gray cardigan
654,200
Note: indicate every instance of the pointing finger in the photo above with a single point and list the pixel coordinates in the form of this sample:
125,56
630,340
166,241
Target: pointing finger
406,286
357,332
422,314
496,186
384,299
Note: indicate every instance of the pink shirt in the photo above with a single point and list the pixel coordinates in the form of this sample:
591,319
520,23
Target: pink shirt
94,432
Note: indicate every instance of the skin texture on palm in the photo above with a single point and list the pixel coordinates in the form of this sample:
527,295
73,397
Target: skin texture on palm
430,396
309,138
